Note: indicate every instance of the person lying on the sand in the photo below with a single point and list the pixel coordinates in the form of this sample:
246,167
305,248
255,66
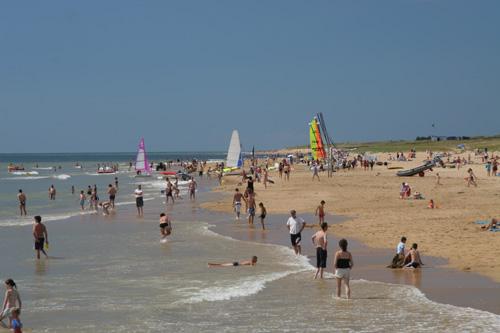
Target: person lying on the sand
251,262
490,226
414,256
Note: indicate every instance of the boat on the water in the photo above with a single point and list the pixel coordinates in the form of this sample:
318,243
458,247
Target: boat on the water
142,167
11,168
106,170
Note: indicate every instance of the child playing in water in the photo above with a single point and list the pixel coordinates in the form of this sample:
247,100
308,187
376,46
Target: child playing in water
12,301
320,212
16,324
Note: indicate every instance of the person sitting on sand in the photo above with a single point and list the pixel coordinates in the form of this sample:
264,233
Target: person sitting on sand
418,196
399,257
251,262
492,226
414,257
431,204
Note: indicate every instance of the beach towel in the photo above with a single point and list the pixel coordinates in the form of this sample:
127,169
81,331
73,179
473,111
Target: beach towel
482,222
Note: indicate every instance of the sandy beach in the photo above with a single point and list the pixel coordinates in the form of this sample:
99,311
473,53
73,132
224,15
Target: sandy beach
377,216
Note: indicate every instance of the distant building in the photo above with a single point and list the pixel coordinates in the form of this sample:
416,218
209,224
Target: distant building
448,138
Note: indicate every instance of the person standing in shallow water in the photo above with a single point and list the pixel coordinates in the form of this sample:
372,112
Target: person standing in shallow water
320,242
22,202
139,200
52,192
40,236
343,264
295,226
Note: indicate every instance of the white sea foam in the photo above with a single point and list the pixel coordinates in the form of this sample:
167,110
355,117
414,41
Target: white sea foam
24,173
26,178
62,176
23,221
243,287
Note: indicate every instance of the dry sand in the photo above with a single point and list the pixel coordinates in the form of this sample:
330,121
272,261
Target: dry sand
378,217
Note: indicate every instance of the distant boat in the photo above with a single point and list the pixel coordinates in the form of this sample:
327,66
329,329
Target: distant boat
12,168
142,167
234,159
106,169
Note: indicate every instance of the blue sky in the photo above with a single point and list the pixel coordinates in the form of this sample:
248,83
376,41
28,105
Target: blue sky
98,75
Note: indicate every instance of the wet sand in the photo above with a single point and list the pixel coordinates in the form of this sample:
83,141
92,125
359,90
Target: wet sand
438,282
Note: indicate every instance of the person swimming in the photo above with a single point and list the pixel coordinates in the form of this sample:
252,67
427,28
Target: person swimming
251,262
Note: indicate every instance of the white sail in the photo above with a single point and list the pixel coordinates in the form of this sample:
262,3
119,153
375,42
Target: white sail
141,161
233,159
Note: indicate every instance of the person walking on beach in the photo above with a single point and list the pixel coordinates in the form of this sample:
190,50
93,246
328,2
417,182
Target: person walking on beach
251,207
286,170
112,195
52,192
295,226
237,197
315,171
471,178
165,226
266,177
343,264
40,236
320,212
320,242
22,202
11,301
116,183
169,191
139,200
262,216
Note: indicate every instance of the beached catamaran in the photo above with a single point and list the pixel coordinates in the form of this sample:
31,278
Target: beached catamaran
142,167
234,160
317,147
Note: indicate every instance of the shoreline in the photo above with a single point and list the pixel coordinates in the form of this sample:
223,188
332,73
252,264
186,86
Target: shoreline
440,280
438,283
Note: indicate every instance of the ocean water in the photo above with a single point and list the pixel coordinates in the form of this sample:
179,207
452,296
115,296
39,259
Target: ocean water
36,186
111,274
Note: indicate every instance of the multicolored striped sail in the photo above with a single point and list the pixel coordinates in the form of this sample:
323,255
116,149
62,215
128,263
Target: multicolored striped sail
316,142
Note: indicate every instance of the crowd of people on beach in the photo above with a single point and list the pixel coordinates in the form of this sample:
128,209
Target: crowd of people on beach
342,259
